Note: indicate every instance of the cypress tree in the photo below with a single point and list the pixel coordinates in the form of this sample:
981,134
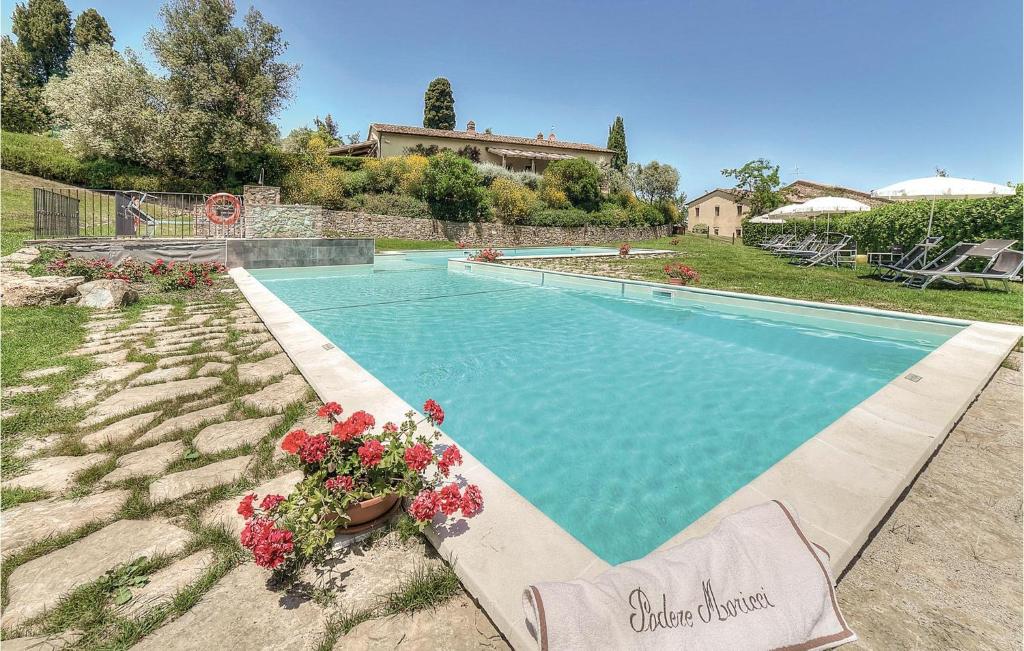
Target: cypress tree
439,105
617,143
91,28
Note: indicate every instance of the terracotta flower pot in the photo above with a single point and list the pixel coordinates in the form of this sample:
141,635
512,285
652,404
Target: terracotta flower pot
366,514
675,281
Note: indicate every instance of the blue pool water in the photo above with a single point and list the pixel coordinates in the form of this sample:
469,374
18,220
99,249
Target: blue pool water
623,420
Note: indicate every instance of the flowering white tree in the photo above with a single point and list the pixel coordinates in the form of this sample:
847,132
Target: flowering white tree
108,105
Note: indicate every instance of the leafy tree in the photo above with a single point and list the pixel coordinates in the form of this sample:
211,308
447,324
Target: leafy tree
617,143
654,182
43,28
297,140
225,83
109,105
759,182
92,29
578,179
451,187
21,102
439,105
327,129
354,138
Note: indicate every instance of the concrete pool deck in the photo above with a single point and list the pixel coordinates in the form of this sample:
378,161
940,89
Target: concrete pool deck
841,481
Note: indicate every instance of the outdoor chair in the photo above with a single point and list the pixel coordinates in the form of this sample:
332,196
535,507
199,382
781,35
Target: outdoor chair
1003,267
803,245
828,254
948,263
888,269
778,240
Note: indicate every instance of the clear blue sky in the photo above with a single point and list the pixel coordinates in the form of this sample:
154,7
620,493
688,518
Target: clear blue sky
853,92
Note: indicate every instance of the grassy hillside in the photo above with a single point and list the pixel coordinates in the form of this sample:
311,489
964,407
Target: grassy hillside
16,207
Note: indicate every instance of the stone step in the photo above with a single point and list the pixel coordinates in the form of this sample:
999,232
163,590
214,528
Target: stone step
27,523
275,398
24,390
146,462
30,447
161,375
189,419
233,434
55,474
265,370
267,348
175,360
43,372
39,584
213,368
166,583
182,483
120,431
140,397
241,612
225,512
42,642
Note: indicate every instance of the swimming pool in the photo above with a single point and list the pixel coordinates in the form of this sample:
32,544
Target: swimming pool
623,420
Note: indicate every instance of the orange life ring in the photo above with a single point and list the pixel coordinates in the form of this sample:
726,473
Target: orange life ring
217,203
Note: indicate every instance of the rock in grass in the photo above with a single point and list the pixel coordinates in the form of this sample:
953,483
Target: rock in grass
106,294
39,290
183,483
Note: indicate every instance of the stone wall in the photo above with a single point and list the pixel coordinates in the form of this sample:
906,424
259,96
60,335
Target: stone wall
357,224
261,195
283,220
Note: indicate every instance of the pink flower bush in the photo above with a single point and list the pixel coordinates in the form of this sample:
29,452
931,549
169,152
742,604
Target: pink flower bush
487,255
682,272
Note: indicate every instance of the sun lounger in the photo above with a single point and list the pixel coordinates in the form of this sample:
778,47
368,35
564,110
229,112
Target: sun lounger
803,245
915,258
1004,267
778,240
828,254
949,262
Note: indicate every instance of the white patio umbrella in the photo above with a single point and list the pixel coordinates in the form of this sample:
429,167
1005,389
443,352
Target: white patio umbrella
765,219
827,206
941,187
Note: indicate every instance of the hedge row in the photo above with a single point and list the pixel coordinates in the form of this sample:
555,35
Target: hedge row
46,157
906,223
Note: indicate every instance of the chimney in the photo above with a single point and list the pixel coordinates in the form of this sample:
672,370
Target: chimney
471,126
540,135
551,136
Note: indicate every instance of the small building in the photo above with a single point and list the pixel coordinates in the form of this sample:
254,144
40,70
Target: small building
723,210
511,152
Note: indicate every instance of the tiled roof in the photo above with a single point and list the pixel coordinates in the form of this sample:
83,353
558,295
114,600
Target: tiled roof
737,195
801,190
483,137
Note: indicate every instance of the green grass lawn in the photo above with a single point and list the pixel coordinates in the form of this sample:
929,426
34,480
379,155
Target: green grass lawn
394,244
746,269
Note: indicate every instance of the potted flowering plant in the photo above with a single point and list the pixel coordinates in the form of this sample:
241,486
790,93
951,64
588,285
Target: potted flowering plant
353,478
624,249
680,274
487,255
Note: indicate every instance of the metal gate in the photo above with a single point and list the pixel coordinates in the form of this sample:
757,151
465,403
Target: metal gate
56,214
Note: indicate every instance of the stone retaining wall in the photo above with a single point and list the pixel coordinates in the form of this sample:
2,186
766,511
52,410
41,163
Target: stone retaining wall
283,220
358,224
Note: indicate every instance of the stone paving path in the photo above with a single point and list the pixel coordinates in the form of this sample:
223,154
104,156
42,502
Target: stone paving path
182,415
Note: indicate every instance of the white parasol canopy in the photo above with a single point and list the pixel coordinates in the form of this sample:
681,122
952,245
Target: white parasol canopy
941,187
765,219
822,206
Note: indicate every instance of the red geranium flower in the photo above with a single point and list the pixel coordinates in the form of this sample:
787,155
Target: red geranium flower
451,500
271,501
245,506
314,449
418,456
472,501
330,409
268,543
294,440
355,425
371,453
425,506
450,457
390,427
433,411
343,482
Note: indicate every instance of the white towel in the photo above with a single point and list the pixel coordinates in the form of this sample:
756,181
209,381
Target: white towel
754,582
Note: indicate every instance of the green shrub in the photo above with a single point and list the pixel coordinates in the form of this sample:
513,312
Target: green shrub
512,203
451,186
348,163
578,178
398,205
906,223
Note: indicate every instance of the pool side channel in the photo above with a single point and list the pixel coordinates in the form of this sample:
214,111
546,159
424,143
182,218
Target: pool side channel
842,481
